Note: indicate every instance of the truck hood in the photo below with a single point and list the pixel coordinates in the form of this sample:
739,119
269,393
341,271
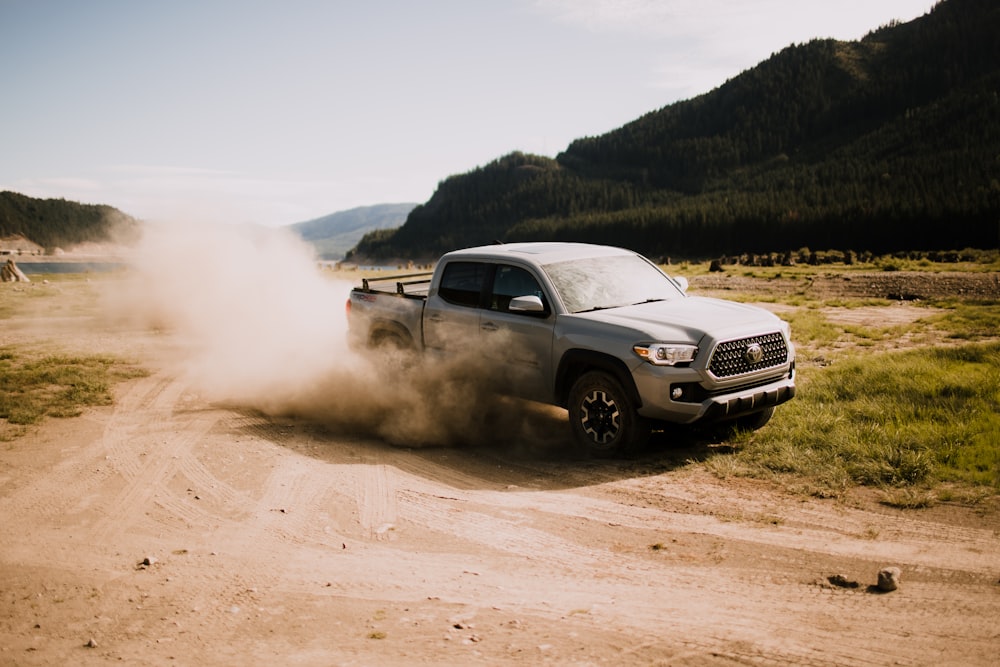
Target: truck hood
690,319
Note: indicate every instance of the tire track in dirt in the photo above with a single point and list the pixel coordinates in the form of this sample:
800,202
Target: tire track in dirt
376,496
149,482
149,444
506,531
148,405
48,497
740,601
805,523
293,499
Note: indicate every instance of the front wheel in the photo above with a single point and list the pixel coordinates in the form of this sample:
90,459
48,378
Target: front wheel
603,416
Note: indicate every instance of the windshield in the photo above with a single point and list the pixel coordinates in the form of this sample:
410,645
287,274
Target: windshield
609,282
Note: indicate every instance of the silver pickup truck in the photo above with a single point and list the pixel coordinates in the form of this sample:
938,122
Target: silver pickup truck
600,331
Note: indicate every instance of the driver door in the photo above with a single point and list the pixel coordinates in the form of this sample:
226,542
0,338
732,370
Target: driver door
518,342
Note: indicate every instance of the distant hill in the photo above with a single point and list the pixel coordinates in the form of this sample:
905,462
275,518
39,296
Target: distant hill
31,225
57,223
884,144
333,235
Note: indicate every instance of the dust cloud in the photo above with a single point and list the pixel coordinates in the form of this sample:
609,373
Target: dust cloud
258,324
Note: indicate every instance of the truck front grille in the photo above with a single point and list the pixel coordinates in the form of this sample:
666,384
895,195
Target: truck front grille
736,357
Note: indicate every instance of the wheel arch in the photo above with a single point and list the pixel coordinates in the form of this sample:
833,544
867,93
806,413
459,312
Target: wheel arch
382,331
575,363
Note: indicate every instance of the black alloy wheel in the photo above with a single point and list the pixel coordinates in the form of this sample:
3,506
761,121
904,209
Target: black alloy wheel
603,417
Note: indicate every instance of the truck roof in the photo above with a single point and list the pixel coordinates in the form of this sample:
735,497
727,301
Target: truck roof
541,252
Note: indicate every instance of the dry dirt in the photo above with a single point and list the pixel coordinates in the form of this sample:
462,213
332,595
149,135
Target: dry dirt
171,530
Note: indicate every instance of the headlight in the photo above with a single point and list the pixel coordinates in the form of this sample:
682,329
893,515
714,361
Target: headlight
666,354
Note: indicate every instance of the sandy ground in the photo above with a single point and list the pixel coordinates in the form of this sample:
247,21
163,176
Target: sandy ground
171,530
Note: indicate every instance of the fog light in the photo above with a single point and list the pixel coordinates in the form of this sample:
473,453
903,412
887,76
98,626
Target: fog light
676,393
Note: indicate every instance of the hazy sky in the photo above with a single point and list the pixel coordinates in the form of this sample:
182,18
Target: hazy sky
277,112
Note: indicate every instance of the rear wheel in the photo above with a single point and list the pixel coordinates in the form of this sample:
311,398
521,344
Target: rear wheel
390,339
393,350
603,416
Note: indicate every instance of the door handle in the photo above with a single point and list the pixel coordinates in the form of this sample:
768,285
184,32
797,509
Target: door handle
489,326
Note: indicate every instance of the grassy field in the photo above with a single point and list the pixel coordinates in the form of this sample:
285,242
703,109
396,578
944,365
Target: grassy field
911,408
920,425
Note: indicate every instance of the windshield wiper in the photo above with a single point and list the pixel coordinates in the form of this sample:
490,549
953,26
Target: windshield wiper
649,301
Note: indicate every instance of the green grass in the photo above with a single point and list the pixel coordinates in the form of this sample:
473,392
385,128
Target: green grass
968,320
812,328
35,385
909,420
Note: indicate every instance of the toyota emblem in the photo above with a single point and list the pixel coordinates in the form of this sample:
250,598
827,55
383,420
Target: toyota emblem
754,353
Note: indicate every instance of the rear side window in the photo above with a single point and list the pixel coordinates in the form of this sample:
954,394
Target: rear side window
462,283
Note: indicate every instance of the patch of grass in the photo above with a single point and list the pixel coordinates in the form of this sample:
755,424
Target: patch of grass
908,420
854,303
968,320
811,328
908,498
865,334
35,385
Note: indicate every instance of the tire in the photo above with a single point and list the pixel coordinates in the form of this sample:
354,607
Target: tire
394,350
603,417
391,340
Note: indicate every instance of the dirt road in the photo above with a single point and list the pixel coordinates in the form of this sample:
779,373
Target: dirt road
171,530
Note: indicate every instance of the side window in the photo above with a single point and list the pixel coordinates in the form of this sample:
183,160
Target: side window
512,281
462,283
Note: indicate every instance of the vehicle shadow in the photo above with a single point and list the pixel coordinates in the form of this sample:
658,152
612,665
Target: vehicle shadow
536,453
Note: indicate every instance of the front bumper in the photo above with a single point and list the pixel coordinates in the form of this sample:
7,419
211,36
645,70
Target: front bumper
727,407
754,395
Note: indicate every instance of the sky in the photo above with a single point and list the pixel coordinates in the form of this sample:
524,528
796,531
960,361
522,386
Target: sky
275,112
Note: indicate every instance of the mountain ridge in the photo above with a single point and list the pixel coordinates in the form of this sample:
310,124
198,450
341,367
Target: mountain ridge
334,234
876,144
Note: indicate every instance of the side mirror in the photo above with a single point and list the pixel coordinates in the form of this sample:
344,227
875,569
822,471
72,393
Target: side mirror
526,304
681,282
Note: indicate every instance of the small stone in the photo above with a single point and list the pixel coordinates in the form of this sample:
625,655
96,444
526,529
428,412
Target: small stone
146,563
888,578
91,643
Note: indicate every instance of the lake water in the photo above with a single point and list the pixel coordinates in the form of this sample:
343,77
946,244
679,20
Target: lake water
33,268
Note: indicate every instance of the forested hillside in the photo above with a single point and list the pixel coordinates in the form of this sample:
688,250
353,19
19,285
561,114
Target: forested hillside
883,144
57,223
